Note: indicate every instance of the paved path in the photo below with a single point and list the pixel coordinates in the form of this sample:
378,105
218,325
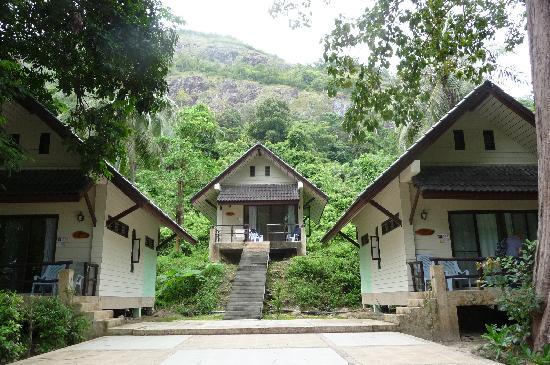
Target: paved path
251,326
372,348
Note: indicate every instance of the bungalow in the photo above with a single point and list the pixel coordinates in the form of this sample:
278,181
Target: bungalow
259,197
106,231
463,187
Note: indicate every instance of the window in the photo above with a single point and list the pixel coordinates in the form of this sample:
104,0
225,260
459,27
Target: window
459,140
119,228
478,233
365,239
252,170
44,146
267,171
16,138
489,140
149,242
389,225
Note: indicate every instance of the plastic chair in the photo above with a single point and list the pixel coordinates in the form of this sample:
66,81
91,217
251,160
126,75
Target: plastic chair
451,268
48,278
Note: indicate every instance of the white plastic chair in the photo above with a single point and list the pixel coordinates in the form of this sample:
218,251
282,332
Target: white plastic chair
48,278
451,268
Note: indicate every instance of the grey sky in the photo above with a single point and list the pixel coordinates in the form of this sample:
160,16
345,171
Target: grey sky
250,22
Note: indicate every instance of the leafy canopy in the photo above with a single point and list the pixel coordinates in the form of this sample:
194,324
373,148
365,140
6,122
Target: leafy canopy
421,43
111,57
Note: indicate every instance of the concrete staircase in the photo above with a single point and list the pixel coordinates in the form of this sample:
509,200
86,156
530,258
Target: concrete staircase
101,319
247,293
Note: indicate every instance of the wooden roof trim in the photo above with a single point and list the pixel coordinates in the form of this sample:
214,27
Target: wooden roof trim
120,181
473,99
261,149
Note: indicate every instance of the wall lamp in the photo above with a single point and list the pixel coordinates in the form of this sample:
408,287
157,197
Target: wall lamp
424,214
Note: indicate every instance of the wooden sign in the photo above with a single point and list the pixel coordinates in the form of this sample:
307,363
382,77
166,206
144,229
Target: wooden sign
230,213
81,234
424,232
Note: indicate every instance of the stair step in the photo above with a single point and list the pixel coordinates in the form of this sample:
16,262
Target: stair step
99,314
87,306
416,302
405,310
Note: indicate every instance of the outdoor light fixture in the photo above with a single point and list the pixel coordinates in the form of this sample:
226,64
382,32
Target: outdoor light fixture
423,214
80,217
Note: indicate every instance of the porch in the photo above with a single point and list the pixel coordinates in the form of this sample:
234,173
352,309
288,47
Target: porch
227,241
44,278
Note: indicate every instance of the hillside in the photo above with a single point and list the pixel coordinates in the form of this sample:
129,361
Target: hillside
224,73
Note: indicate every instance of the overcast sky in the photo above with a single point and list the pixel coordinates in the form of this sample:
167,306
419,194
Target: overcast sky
250,22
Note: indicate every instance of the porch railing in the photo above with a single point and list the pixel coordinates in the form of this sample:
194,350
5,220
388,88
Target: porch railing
421,278
20,277
243,233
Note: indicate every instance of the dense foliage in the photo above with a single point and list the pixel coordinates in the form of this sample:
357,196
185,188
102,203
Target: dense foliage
514,276
37,325
108,59
189,284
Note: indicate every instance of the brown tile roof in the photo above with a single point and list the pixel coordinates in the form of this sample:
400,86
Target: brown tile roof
258,192
487,178
49,185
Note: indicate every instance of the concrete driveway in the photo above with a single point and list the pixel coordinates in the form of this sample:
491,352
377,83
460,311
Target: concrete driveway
387,348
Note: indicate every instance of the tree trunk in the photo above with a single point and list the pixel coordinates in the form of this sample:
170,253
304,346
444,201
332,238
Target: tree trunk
179,212
132,160
538,25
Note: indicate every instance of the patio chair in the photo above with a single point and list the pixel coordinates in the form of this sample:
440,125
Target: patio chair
451,268
426,263
48,278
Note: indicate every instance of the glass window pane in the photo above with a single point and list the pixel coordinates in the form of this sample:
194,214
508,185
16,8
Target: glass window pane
520,225
487,233
463,235
532,222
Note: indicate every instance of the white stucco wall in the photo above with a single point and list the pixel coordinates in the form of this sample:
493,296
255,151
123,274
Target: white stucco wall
116,279
507,151
29,126
242,174
392,275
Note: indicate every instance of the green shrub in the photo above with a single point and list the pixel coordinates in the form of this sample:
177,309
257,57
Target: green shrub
50,324
514,276
326,279
189,284
11,346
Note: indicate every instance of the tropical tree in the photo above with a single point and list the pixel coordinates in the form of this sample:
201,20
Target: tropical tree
111,56
187,158
272,119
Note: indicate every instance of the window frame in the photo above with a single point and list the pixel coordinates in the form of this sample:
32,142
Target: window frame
489,140
501,226
267,171
44,144
118,227
252,171
459,140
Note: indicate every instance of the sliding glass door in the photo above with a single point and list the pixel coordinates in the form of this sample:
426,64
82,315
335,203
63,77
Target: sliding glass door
25,242
278,220
477,233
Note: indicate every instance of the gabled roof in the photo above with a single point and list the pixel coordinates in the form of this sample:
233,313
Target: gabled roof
259,149
117,179
470,102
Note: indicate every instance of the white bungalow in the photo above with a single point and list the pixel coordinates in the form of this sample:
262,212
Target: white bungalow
467,184
51,213
259,198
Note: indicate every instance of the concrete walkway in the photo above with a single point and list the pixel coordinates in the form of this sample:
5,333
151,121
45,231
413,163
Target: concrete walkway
371,348
252,326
